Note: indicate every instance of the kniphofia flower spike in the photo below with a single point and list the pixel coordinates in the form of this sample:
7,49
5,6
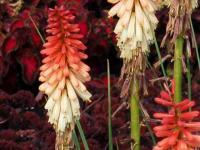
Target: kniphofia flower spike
134,32
177,129
63,73
136,18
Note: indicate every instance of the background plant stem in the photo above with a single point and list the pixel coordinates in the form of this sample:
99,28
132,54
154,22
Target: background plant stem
80,129
135,116
195,42
109,108
178,69
189,78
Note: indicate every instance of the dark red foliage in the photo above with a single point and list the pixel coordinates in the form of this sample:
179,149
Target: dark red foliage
83,28
10,145
3,67
35,38
17,25
22,125
30,63
23,122
95,116
9,45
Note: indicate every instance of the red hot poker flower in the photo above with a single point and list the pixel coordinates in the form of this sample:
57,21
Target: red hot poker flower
63,73
177,129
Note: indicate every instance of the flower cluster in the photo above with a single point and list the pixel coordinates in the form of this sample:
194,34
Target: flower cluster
135,25
134,30
179,19
63,73
177,129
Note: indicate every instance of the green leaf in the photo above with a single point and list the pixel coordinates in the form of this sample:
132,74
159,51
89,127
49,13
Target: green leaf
82,135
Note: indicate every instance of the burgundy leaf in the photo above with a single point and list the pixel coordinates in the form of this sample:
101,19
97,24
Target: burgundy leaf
30,64
16,25
25,14
8,134
2,37
10,45
83,28
35,38
33,2
1,66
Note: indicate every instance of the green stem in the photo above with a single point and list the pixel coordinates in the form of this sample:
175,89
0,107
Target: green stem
109,109
135,116
178,69
189,79
157,48
75,140
38,31
159,55
195,43
80,129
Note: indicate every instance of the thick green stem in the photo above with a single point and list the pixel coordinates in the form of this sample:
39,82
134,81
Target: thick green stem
178,69
135,116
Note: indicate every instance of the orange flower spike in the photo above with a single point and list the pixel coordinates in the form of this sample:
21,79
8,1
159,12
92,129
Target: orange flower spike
63,73
176,129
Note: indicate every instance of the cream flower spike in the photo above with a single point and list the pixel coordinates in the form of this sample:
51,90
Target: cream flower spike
134,32
63,73
134,29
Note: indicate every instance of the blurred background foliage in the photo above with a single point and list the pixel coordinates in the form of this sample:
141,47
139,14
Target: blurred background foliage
23,123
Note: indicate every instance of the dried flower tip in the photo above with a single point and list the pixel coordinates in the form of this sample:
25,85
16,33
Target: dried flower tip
179,20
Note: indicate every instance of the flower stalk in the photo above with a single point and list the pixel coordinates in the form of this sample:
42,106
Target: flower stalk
109,108
189,77
178,69
135,116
